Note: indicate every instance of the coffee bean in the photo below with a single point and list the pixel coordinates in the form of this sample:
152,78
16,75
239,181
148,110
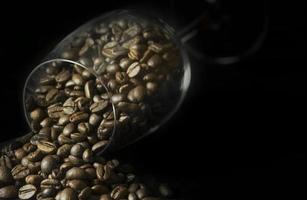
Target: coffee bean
68,129
69,106
46,147
134,69
99,146
116,98
33,179
8,192
77,150
141,193
94,119
119,192
50,183
48,192
112,68
27,191
87,155
98,106
20,153
105,197
99,189
64,150
84,127
48,163
89,89
5,175
78,117
77,79
127,107
137,94
63,76
20,172
151,87
132,196
67,194
37,114
76,173
77,185
85,193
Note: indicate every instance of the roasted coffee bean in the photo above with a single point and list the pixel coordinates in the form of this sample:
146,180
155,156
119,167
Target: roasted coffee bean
105,197
85,193
78,137
46,147
112,68
63,76
87,155
48,192
64,150
62,139
20,172
77,79
134,69
8,192
67,194
37,114
50,183
141,193
69,106
100,172
89,89
99,189
33,179
48,163
151,87
116,98
84,127
132,196
76,173
63,120
98,106
77,185
20,153
119,192
78,117
5,175
127,107
94,119
99,146
77,150
27,191
28,147
68,129
137,94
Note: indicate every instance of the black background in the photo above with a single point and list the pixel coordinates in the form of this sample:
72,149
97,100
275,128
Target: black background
241,128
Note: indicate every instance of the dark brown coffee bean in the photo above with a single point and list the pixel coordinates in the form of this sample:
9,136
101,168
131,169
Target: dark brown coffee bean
89,89
84,127
28,147
50,183
98,106
125,63
79,116
64,150
132,196
94,119
48,192
63,76
8,192
27,191
116,98
5,175
76,173
62,139
55,111
77,150
68,129
100,172
99,146
112,68
105,197
137,94
34,179
77,79
37,114
99,189
121,77
134,69
69,106
85,193
87,155
141,193
67,194
46,147
151,87
48,163
78,137
127,107
119,192
20,153
52,95
77,185
20,172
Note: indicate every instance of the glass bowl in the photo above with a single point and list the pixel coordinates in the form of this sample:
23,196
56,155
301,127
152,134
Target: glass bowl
109,83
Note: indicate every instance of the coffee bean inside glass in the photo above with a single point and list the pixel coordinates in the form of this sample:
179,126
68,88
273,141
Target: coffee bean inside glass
110,82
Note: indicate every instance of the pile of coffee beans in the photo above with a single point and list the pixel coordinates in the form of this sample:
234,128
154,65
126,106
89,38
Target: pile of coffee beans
129,86
42,170
75,112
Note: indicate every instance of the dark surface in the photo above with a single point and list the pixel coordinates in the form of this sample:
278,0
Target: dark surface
241,127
